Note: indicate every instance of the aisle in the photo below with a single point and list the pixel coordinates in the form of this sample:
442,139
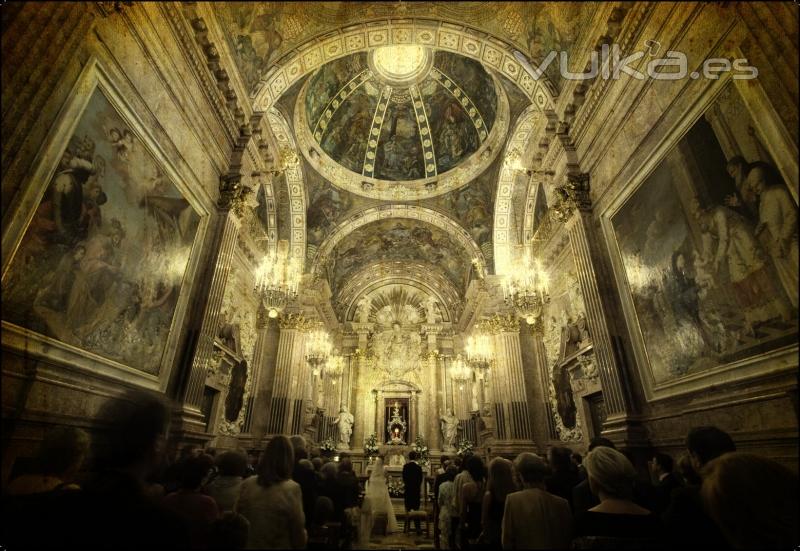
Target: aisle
402,540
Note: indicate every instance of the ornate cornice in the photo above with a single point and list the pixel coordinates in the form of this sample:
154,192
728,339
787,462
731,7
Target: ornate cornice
295,321
109,8
501,323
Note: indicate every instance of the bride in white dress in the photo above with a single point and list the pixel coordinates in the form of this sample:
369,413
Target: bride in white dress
376,501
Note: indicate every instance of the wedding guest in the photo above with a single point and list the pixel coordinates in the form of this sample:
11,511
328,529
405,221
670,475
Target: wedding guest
686,521
564,475
665,481
753,500
500,483
198,511
534,518
272,502
224,489
616,521
59,458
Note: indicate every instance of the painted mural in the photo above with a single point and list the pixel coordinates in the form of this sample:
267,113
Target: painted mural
399,240
345,138
709,247
330,80
101,263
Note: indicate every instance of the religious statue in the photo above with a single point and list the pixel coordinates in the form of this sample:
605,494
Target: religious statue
430,310
475,406
583,330
396,426
449,429
344,421
398,351
363,310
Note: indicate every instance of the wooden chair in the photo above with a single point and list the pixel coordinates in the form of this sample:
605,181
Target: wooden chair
423,515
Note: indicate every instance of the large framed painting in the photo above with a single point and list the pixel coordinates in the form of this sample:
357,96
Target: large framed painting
97,274
705,250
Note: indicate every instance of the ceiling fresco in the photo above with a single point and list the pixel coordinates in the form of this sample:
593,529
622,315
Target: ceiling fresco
400,131
396,239
260,33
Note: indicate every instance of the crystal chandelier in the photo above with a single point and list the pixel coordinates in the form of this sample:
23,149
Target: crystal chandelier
480,351
318,349
526,290
277,280
335,366
460,371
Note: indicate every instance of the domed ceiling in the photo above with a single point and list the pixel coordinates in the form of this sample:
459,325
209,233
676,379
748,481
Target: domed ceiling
401,118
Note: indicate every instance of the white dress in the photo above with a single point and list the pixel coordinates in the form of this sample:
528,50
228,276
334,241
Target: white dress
376,501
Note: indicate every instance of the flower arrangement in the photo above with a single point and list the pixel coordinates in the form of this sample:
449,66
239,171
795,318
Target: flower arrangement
422,451
396,487
327,446
464,447
371,445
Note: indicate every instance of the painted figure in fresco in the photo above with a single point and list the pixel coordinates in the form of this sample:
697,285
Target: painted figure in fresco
733,252
777,225
344,422
451,143
67,192
564,398
449,425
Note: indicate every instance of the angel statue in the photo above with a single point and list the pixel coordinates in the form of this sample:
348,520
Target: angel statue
363,310
430,310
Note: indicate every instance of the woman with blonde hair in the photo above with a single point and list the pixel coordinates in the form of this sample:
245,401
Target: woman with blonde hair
272,502
617,521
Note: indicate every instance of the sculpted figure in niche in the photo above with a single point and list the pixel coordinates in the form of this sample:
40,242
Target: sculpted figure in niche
344,422
582,327
564,399
363,310
449,429
430,310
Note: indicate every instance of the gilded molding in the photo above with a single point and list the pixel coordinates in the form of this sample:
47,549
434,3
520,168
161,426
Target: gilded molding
572,196
502,323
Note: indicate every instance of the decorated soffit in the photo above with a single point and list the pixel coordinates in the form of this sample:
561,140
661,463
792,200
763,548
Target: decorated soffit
382,275
262,33
401,121
399,239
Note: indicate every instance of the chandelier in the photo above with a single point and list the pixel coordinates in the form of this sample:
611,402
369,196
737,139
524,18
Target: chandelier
460,371
480,351
335,366
318,349
277,280
526,290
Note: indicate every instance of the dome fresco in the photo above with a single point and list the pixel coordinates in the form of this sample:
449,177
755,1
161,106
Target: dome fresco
398,119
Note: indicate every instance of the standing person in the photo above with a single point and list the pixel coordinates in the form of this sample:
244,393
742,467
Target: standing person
198,511
378,495
471,502
304,476
582,497
499,485
664,479
753,500
412,479
534,518
617,521
450,471
445,499
686,521
58,461
565,475
462,478
224,489
272,502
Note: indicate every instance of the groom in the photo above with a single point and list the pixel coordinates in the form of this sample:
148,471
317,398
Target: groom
412,479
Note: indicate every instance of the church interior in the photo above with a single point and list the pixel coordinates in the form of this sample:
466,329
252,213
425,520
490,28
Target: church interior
417,275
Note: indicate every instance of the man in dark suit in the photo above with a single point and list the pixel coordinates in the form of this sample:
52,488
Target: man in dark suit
686,521
664,479
412,479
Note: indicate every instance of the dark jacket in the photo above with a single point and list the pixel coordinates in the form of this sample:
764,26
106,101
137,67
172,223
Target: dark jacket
412,479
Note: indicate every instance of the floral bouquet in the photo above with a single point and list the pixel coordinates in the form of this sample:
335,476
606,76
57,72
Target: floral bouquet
396,488
464,447
327,446
422,451
371,446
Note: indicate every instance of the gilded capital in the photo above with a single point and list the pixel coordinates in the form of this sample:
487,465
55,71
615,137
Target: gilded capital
294,321
572,196
503,323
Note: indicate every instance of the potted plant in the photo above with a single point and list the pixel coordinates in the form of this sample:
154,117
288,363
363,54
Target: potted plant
464,447
422,451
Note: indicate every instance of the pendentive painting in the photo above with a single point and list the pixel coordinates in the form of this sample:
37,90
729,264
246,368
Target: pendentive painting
709,248
101,263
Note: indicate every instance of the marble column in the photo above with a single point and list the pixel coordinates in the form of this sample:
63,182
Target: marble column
285,393
620,425
432,390
263,373
510,377
223,231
